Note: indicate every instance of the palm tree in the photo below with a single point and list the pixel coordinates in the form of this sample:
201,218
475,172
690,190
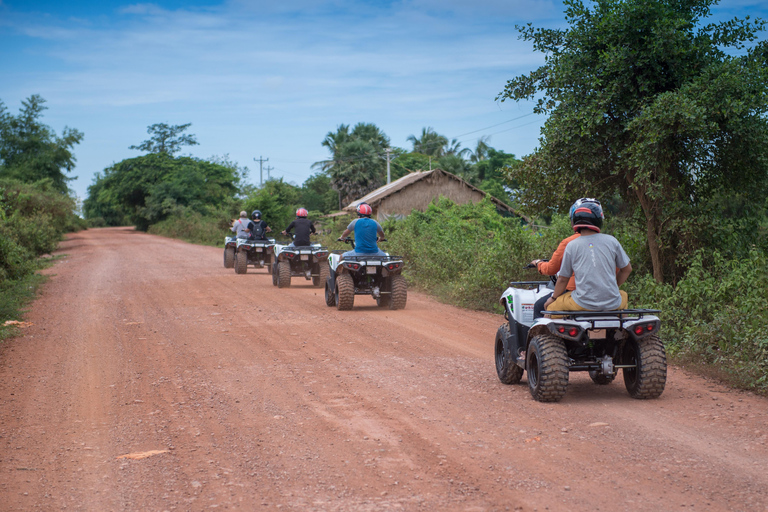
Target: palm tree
481,151
430,143
334,142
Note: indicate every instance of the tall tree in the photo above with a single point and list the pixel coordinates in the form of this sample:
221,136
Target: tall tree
166,139
357,164
430,143
644,101
31,151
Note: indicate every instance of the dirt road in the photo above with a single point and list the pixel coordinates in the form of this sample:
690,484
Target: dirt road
259,398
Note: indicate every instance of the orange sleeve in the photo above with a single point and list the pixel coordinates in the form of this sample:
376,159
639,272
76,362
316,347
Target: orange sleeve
551,267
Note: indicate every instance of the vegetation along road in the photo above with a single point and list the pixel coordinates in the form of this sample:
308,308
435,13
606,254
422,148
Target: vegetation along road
152,378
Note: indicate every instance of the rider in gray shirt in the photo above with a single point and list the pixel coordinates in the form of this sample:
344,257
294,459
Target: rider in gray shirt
593,259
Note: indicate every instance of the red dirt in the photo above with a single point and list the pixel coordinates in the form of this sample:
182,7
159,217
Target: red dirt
259,398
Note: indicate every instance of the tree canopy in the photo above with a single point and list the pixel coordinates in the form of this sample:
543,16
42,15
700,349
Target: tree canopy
645,103
146,189
166,139
31,151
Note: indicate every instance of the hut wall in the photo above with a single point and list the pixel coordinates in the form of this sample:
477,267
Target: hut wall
420,194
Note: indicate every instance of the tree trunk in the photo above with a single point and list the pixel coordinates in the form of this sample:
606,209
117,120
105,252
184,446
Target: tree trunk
652,229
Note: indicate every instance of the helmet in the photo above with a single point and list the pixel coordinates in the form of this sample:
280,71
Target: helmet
586,213
301,212
364,209
244,214
256,214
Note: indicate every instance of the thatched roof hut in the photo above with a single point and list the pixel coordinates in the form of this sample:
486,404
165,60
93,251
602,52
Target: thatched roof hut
417,190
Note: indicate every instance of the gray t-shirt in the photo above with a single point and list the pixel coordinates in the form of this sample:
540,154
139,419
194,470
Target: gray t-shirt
240,226
593,259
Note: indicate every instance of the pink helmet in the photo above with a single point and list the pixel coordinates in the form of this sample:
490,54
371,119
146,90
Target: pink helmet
302,212
364,209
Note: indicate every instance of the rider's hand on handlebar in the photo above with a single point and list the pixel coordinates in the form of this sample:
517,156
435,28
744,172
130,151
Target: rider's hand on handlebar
284,233
339,239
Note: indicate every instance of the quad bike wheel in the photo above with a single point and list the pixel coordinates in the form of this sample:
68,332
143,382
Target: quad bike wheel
269,264
399,295
547,365
229,257
649,375
506,368
345,292
275,273
324,271
600,378
241,263
330,297
284,275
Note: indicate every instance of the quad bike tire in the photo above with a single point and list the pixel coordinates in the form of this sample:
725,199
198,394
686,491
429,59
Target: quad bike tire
600,378
269,264
284,275
324,272
330,298
399,295
345,292
229,257
547,365
385,298
241,263
649,376
506,368
275,273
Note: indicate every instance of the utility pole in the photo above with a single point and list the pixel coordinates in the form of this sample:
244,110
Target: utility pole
261,171
388,150
268,168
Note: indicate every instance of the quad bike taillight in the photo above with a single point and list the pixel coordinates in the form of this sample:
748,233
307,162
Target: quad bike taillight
642,329
566,331
321,255
290,255
351,265
393,266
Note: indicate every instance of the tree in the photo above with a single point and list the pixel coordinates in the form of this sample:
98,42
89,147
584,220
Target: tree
430,143
357,165
645,103
166,139
31,151
147,189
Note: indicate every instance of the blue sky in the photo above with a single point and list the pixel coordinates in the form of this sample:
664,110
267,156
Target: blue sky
270,78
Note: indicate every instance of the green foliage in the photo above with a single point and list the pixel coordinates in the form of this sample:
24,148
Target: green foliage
31,151
316,194
644,103
166,139
716,315
466,254
277,201
150,188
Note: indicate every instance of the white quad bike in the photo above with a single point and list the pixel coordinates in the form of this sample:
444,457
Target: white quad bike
255,253
378,276
230,246
599,342
307,261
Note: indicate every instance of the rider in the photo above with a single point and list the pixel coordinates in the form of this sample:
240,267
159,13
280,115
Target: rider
260,228
367,233
593,259
304,228
242,226
550,268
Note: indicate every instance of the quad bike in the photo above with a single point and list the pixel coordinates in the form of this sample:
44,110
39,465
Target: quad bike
308,261
377,276
230,246
256,253
599,342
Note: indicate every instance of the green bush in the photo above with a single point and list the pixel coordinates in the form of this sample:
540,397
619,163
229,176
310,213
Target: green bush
715,316
467,254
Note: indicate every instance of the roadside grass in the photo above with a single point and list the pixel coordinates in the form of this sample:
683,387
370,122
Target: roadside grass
15,295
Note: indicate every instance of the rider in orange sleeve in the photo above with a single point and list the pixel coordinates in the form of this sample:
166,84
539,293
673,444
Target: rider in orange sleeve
550,268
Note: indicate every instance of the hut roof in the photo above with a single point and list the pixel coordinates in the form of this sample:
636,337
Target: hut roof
375,197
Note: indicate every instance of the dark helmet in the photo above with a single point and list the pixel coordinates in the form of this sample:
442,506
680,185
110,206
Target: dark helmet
586,213
302,212
364,210
256,215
